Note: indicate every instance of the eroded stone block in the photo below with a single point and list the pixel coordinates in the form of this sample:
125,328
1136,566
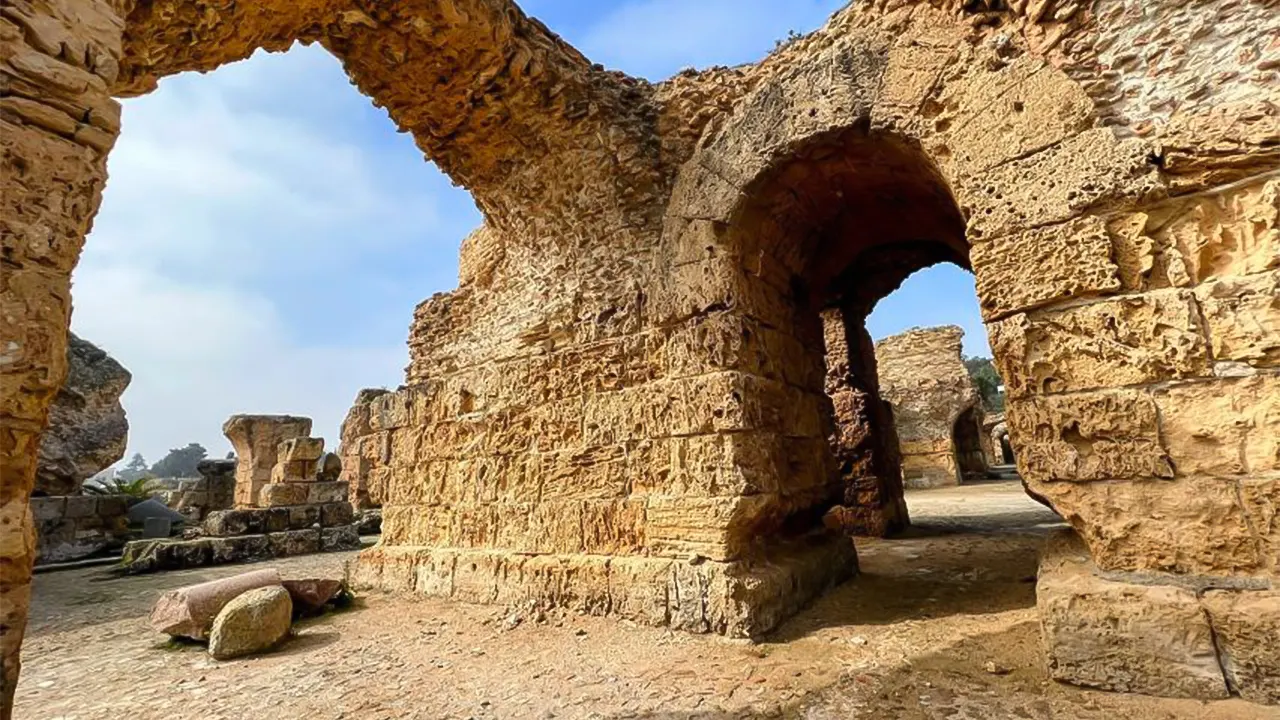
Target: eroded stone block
1246,626
1110,343
1090,436
1122,636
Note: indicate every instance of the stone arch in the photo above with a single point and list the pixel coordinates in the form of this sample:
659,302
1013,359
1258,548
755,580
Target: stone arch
557,153
500,103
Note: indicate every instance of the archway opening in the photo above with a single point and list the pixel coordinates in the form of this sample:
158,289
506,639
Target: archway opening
834,228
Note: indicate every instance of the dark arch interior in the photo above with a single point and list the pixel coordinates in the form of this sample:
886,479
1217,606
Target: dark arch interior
835,226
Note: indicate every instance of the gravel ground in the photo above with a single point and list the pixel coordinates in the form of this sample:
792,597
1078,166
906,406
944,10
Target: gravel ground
940,624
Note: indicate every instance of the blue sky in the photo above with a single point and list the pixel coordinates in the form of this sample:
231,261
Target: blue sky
266,232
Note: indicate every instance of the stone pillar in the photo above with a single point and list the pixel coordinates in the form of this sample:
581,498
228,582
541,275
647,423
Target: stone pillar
256,439
864,443
57,123
365,446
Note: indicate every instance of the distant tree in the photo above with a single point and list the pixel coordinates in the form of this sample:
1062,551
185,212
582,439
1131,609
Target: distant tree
136,468
987,381
180,462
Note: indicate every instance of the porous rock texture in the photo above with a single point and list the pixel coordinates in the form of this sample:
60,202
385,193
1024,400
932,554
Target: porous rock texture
622,406
88,430
936,408
255,621
1156,633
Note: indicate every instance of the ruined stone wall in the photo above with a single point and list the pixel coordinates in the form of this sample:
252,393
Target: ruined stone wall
922,375
622,407
71,527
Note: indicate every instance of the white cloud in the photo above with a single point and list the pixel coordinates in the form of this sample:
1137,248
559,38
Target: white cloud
230,197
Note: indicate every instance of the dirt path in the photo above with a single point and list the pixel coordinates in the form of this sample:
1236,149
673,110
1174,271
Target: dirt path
917,635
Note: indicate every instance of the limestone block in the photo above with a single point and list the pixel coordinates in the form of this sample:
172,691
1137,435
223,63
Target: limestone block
1242,316
253,622
1027,270
1022,107
298,471
1193,525
275,519
190,611
319,493
1219,235
338,538
302,517
638,589
295,542
1246,626
283,494
1126,341
1057,184
1100,435
44,509
715,528
1122,636
243,548
1229,426
335,513
300,449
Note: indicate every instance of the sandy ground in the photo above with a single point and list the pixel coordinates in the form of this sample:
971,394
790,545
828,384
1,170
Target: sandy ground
939,625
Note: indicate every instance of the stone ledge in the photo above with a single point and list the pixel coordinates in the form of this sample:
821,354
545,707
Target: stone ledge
740,599
1137,635
145,556
255,521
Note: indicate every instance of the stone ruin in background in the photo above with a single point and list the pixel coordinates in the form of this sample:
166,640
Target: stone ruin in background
289,500
624,407
937,412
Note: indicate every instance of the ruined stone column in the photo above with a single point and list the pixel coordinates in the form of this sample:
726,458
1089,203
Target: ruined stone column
57,122
256,439
865,443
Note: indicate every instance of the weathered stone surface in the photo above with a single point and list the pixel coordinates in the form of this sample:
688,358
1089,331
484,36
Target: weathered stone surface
87,429
1229,427
256,439
190,611
255,621
922,375
1246,625
1104,435
1058,262
1242,318
1122,636
300,449
1109,343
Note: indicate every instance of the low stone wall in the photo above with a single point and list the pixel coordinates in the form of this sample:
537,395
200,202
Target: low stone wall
248,534
72,527
1155,633
144,556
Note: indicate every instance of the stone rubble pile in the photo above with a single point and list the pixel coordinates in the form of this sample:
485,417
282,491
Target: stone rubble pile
243,614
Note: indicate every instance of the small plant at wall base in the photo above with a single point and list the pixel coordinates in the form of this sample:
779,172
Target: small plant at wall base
985,378
137,488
